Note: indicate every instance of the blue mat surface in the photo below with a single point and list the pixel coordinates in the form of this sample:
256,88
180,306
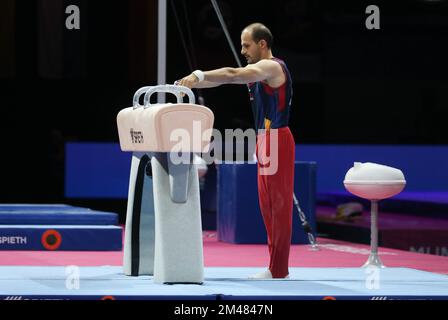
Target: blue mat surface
17,282
31,214
35,206
58,227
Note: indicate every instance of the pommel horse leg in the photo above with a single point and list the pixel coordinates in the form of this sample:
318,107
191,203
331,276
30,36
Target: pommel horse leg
178,250
138,258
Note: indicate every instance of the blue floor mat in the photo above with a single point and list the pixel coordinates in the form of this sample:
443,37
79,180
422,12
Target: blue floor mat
225,283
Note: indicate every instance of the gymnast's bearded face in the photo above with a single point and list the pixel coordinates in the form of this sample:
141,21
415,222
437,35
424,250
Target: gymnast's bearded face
249,48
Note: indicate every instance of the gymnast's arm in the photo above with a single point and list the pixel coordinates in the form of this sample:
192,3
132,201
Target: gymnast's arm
262,70
206,84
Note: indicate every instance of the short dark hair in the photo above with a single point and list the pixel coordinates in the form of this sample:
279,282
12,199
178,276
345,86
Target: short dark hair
260,32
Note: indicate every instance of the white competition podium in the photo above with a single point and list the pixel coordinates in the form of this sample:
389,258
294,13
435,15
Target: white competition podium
163,234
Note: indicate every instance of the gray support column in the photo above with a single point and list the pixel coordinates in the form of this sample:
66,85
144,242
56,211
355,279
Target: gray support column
178,238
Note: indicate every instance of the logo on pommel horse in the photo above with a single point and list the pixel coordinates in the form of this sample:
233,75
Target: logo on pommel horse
136,136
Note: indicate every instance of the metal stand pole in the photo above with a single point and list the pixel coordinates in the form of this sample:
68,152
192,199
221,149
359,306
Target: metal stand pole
374,259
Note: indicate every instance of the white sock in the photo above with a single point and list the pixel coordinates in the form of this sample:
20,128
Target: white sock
266,274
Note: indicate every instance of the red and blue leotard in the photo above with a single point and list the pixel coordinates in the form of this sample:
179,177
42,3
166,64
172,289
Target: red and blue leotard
271,106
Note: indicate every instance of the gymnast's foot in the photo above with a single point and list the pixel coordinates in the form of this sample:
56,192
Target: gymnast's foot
266,274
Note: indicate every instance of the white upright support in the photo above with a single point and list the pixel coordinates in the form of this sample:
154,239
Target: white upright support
161,49
374,258
138,257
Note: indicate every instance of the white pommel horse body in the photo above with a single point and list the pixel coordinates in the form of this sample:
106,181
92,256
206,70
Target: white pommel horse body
163,224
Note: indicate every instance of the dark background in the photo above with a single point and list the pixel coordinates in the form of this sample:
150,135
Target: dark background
351,85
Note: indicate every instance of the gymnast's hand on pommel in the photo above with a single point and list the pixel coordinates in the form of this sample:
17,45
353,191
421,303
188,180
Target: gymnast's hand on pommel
189,81
196,80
